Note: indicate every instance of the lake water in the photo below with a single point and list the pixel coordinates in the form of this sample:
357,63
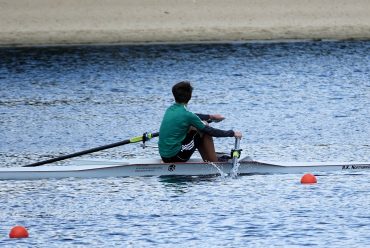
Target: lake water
298,101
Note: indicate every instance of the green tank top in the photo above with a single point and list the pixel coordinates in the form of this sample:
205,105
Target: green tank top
175,125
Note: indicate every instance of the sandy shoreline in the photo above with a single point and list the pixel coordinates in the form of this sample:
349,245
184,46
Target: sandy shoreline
45,22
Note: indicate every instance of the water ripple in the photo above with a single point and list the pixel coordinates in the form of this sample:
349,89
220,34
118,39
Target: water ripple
304,101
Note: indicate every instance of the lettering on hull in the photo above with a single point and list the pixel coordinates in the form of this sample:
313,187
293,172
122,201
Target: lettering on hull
356,167
143,169
148,168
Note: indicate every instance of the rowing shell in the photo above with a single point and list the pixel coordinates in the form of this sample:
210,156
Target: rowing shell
99,168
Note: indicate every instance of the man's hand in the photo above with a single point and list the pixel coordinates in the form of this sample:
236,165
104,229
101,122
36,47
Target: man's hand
238,134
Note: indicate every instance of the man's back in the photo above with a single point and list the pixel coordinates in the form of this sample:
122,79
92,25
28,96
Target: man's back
174,128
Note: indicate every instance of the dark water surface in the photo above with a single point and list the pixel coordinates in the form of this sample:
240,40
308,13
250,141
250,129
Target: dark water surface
304,101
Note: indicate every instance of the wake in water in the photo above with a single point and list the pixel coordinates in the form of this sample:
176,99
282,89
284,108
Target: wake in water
233,174
235,170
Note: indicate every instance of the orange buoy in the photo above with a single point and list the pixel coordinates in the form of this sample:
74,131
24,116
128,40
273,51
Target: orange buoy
18,232
308,179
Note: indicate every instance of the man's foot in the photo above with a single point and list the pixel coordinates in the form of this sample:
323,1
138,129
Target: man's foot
223,157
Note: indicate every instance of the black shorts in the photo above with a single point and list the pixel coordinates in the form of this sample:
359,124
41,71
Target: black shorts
188,146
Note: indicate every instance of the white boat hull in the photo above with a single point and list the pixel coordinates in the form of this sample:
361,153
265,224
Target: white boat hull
154,167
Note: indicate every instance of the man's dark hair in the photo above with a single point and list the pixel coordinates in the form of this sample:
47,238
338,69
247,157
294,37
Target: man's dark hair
182,92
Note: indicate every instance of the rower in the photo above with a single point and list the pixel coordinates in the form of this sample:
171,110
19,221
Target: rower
182,131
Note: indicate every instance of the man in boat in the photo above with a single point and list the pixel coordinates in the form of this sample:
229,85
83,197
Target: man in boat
182,132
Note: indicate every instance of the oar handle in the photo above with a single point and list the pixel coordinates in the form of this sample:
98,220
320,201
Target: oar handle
235,153
144,137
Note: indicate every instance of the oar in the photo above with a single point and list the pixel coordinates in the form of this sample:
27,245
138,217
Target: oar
235,155
144,137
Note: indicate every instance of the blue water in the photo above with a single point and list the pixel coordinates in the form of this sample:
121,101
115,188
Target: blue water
303,101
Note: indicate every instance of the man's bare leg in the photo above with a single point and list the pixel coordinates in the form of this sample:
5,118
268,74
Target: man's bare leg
207,149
